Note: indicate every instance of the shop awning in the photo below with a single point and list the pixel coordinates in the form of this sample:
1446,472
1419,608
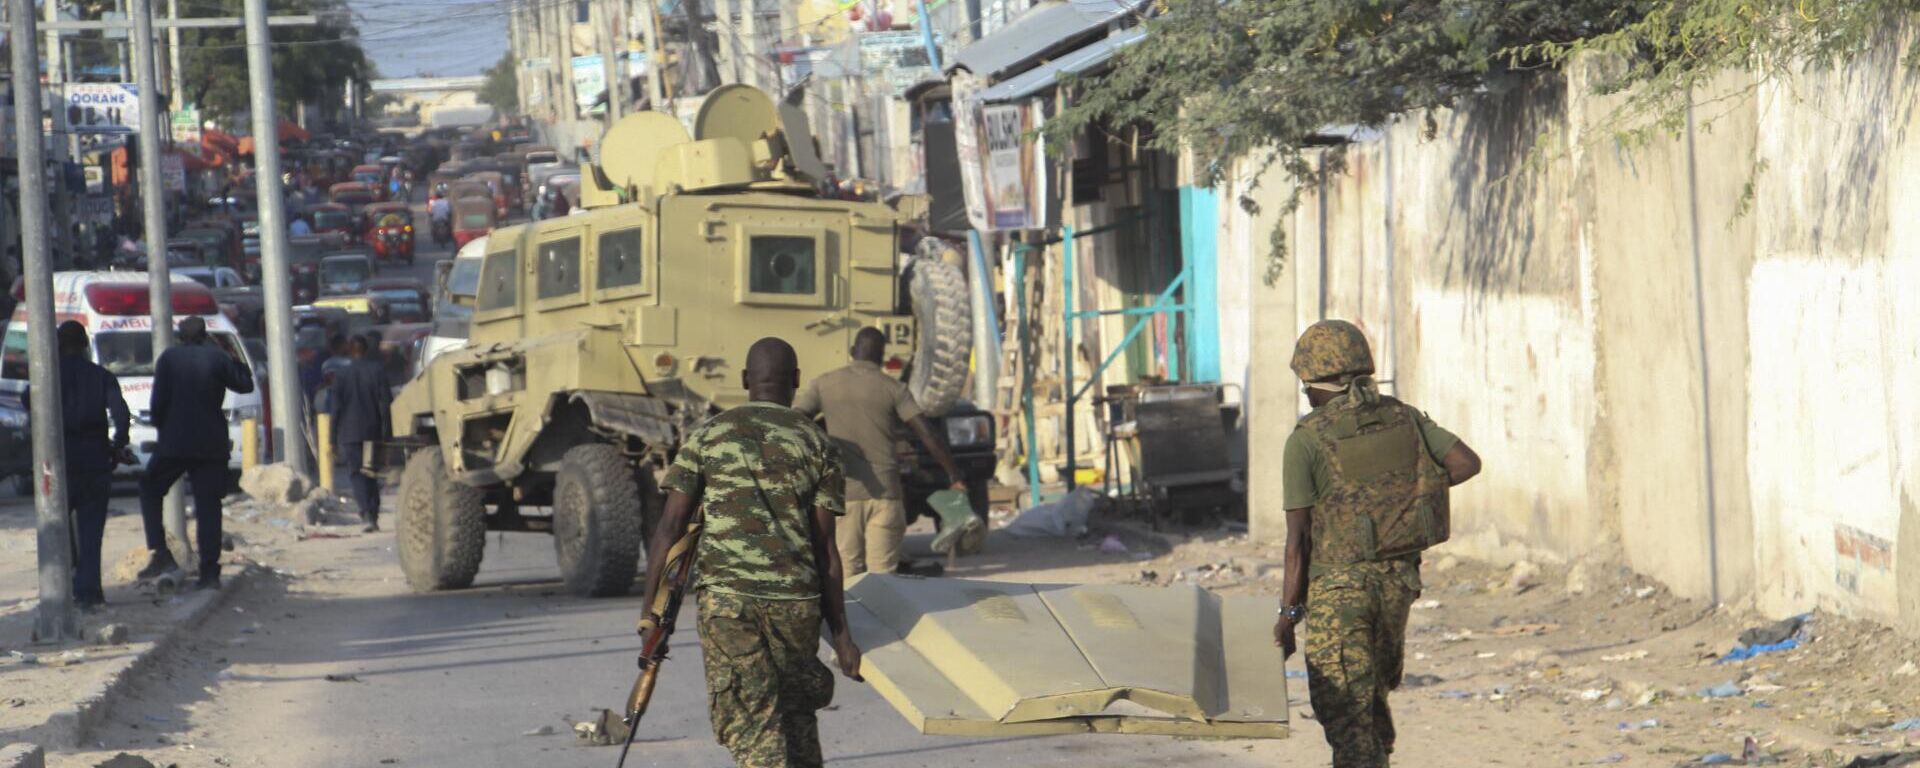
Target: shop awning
1043,29
1045,76
989,658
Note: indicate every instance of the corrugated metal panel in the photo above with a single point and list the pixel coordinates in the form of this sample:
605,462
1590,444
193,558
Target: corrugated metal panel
1042,29
962,657
1043,77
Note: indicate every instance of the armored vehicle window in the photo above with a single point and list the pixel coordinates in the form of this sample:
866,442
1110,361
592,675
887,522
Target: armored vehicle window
781,264
499,281
560,268
619,259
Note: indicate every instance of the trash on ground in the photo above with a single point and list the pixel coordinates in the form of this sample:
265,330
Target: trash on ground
1426,605
1113,545
1640,726
545,730
606,729
1885,760
111,634
1420,681
1776,632
1908,669
1749,651
343,678
1716,758
1617,757
1909,724
1516,630
1724,690
1628,656
1065,518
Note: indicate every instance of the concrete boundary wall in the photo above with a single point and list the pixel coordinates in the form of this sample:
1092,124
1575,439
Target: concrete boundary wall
1696,357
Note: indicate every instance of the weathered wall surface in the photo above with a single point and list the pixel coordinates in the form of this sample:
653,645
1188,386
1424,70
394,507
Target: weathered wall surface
1696,356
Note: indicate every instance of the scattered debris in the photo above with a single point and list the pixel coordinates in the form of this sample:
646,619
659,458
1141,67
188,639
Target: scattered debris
1065,518
1640,726
1617,757
1420,681
606,729
1523,576
111,634
1746,652
1113,545
1645,592
124,760
545,730
1427,605
13,702
1908,669
65,659
24,658
1628,656
1577,579
1909,724
1516,630
1773,634
337,678
1887,760
1715,758
1724,690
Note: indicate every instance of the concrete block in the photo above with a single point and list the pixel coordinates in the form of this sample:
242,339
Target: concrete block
22,756
274,484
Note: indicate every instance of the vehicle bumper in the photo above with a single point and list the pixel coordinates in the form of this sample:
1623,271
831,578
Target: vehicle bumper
144,440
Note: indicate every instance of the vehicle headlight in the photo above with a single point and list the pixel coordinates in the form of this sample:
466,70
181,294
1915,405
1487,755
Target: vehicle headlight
969,431
245,412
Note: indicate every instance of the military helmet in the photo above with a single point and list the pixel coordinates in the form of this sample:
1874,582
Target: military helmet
1332,348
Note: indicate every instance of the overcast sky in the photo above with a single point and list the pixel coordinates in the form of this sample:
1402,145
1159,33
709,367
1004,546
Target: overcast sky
406,38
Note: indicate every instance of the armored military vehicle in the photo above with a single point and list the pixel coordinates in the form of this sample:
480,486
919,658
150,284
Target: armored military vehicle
597,340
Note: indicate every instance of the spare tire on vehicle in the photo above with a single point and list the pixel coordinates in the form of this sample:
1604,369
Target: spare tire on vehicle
944,346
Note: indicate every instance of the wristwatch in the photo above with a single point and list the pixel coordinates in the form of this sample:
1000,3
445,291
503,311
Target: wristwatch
1293,612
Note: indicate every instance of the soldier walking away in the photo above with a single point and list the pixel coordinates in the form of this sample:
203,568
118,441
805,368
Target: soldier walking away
89,401
190,385
767,483
1366,481
864,408
359,400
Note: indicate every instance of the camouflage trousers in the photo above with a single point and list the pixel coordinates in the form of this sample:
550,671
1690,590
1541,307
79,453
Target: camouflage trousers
764,679
1356,629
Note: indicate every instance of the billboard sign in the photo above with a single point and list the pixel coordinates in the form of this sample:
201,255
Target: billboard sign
103,108
589,81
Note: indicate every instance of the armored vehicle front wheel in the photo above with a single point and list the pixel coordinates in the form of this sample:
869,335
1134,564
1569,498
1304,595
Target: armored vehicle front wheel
598,509
443,526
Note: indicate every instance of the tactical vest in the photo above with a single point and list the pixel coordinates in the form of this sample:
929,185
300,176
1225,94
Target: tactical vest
1386,497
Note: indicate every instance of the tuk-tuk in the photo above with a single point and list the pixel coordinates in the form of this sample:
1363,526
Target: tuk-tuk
467,187
496,187
389,231
447,173
344,274
332,217
374,177
219,243
352,194
473,217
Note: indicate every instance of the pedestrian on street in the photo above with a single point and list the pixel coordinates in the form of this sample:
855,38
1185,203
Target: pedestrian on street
768,486
361,400
865,409
90,401
190,385
299,228
1366,479
560,205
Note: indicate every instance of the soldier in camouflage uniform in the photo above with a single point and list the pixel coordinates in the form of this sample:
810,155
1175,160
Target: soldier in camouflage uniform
1366,479
767,484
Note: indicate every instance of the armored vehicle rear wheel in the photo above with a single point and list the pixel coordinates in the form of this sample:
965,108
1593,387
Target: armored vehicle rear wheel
443,526
945,318
599,506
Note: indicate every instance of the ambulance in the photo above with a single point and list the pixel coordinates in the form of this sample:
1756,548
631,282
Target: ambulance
114,307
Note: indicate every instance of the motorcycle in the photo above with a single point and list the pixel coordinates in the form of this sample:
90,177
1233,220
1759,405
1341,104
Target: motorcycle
395,241
442,231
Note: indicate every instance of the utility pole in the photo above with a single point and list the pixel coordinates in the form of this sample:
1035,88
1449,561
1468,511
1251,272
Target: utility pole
606,41
724,18
283,373
656,56
153,205
53,618
62,196
179,77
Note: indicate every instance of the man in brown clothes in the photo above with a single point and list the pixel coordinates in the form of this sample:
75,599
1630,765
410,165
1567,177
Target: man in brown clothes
864,408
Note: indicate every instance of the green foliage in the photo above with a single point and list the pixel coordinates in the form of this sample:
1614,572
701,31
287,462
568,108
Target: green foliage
503,88
1233,79
308,62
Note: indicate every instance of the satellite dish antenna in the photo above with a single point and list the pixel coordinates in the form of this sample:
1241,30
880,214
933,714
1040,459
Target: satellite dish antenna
799,140
736,111
628,152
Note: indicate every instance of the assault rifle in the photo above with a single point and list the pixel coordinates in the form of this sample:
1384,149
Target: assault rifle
656,626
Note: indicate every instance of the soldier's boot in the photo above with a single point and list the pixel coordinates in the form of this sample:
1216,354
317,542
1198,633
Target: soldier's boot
161,564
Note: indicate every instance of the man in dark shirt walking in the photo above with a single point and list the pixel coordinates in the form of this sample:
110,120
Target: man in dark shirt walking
89,400
360,402
190,385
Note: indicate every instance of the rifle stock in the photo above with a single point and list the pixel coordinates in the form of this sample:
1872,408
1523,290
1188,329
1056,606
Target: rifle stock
653,643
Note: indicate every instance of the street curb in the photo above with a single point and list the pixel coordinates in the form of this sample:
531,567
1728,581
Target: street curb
68,728
22,756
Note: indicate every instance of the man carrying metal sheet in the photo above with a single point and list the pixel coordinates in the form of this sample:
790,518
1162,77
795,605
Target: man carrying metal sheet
767,484
1366,492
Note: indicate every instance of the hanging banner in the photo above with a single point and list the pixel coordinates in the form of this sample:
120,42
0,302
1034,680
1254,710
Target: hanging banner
898,59
173,170
589,81
103,108
1002,164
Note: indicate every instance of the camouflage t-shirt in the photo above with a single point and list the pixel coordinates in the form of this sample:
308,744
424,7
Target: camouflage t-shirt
758,470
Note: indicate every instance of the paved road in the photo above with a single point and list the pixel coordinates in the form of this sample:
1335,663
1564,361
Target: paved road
456,680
